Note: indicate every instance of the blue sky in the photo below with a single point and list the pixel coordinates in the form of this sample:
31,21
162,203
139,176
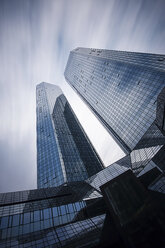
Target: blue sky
35,40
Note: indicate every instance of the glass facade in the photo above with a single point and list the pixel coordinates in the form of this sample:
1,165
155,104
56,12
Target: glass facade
53,217
48,157
64,152
138,215
107,210
121,88
112,171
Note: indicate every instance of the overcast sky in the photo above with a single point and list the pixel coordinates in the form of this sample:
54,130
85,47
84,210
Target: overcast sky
35,39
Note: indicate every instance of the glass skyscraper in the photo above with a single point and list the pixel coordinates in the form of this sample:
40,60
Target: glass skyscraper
64,152
121,88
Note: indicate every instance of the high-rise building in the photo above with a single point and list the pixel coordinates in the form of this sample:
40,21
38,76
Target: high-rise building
121,88
64,152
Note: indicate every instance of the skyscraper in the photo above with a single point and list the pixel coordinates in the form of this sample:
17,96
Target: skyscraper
121,88
64,152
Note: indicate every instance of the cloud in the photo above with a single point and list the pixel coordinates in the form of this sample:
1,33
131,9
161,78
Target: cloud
36,38
17,166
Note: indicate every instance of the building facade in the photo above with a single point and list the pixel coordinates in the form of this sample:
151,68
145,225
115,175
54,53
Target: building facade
64,152
53,217
110,209
121,88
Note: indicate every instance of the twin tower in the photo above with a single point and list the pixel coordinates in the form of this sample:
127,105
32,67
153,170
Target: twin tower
125,91
79,203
